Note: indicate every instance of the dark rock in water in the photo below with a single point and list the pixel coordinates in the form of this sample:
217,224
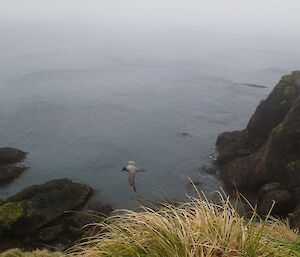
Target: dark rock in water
11,155
268,150
184,135
9,173
27,214
253,85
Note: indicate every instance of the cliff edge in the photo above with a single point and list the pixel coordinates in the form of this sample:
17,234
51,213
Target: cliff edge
263,160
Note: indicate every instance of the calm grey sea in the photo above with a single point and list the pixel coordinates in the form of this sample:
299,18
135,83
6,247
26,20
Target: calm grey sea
85,100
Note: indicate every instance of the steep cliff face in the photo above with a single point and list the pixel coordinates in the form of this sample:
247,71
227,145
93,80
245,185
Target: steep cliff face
264,159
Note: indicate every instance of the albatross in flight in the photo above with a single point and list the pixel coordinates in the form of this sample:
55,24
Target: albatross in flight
132,169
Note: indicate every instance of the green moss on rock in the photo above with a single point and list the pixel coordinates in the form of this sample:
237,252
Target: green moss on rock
288,90
9,214
277,129
294,166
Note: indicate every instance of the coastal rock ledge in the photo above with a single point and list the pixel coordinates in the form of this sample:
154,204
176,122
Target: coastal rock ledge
37,215
263,160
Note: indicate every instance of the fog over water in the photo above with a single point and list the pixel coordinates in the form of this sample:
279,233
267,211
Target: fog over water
88,85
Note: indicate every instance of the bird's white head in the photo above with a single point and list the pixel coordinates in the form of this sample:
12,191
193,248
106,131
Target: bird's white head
131,163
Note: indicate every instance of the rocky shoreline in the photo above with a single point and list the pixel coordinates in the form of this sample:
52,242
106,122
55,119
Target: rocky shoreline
263,161
50,215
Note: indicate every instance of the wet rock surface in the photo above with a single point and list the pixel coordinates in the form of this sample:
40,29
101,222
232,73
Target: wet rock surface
9,170
267,151
10,155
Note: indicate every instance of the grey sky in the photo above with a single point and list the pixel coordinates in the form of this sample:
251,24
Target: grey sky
273,23
260,14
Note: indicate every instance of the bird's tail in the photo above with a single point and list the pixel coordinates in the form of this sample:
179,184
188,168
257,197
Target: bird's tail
134,189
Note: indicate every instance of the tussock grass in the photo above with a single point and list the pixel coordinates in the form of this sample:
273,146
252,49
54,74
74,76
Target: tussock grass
38,253
197,228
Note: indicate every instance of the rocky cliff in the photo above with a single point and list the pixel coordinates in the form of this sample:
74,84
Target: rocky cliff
263,160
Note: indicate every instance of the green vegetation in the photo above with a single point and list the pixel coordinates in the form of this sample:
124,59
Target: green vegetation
9,214
197,228
294,166
277,129
38,253
288,90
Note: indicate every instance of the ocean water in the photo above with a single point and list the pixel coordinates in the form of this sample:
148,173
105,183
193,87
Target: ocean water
84,101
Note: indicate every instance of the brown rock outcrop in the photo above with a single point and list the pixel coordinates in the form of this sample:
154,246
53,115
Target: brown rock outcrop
9,157
36,210
268,150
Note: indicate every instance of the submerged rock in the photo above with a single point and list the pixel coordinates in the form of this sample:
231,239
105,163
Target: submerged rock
10,172
268,150
184,135
253,85
26,213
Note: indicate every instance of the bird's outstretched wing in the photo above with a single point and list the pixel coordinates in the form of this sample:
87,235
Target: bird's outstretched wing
140,169
124,168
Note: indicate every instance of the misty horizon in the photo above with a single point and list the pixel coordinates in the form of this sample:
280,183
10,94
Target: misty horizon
76,76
